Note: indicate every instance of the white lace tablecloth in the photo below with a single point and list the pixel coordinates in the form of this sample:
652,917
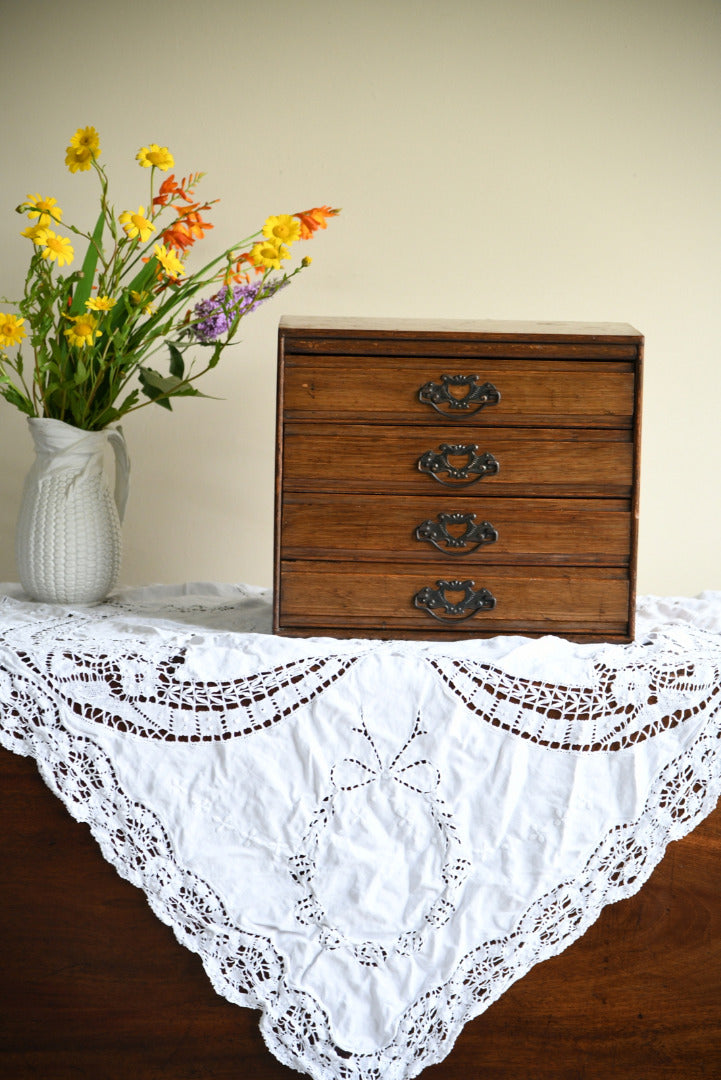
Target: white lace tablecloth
369,841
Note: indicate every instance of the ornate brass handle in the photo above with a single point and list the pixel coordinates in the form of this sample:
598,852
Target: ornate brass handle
440,396
477,466
435,602
465,543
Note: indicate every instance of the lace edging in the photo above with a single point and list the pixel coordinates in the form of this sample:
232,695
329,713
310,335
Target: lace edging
246,968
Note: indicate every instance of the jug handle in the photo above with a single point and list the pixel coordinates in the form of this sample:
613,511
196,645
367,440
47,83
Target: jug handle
122,469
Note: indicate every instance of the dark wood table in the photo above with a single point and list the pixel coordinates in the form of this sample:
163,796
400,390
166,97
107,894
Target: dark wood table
94,987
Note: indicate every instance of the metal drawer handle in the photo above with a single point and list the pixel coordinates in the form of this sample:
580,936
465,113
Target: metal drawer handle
458,407
478,465
465,543
435,602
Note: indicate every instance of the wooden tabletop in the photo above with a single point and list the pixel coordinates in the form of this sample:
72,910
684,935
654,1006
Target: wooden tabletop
94,987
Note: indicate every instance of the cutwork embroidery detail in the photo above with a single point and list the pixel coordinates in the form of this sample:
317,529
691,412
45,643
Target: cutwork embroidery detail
159,702
351,775
620,706
246,968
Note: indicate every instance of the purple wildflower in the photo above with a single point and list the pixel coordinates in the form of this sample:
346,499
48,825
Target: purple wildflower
213,317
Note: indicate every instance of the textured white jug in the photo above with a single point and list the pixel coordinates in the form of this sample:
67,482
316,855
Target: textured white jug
68,541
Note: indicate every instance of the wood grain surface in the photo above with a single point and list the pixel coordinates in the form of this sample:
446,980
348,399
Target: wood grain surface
578,599
366,527
385,389
94,987
378,422
382,459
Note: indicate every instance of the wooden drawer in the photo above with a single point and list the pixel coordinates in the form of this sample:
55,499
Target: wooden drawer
447,528
349,597
387,459
498,391
439,480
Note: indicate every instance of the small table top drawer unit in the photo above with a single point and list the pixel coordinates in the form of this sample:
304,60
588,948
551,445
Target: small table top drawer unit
453,479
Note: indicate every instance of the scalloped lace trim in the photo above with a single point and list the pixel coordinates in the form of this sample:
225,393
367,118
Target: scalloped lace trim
626,702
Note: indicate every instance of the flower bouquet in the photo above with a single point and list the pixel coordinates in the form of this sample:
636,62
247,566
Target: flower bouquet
96,334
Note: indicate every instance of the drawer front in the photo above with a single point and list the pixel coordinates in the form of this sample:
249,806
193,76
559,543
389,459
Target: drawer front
500,461
495,391
388,598
454,480
462,530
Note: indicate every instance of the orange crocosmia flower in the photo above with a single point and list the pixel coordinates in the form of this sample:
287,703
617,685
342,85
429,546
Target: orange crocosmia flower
311,220
188,182
178,237
163,194
237,276
184,232
194,223
170,189
167,190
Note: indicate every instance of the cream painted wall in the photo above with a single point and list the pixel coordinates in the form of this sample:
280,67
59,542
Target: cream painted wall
551,159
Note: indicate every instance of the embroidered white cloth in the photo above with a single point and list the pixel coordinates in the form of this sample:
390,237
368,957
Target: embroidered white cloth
368,841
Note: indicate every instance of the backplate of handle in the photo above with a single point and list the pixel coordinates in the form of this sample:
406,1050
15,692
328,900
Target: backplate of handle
444,397
437,603
438,464
445,535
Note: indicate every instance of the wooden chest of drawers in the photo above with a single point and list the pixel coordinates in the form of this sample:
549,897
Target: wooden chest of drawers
440,480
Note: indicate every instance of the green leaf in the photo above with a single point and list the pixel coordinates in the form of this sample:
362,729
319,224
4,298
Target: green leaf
216,356
139,284
87,275
177,364
160,388
163,384
127,403
156,387
12,395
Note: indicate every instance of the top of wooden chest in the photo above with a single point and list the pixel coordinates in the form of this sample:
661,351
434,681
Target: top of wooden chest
458,329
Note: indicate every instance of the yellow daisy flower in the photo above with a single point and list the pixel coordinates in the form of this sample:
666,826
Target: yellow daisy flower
55,248
282,228
87,138
78,160
84,147
11,329
168,260
268,254
136,224
83,331
159,156
45,210
100,303
34,233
